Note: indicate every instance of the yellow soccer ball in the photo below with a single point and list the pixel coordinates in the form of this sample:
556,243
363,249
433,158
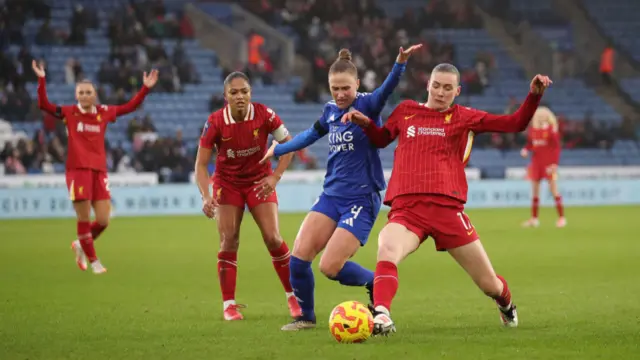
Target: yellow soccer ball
351,322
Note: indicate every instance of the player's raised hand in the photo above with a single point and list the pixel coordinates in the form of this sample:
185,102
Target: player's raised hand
403,55
539,84
270,153
524,153
38,68
266,186
356,117
149,80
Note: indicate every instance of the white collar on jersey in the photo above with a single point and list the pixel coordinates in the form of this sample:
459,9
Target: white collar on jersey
94,110
228,119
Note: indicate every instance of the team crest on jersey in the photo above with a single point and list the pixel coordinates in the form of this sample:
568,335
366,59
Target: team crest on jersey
99,118
256,133
447,118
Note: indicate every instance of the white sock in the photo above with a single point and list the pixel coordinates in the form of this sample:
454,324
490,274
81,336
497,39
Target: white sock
228,303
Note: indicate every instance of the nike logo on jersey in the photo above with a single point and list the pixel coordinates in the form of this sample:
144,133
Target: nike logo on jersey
469,232
409,117
227,139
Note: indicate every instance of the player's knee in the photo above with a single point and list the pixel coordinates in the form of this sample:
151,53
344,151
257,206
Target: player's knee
490,285
272,241
229,241
329,268
103,219
304,250
387,250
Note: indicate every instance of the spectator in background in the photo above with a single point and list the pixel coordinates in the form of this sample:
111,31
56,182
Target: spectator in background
73,71
13,165
607,64
216,102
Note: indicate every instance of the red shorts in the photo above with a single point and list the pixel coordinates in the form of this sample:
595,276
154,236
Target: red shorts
426,215
239,195
546,171
87,184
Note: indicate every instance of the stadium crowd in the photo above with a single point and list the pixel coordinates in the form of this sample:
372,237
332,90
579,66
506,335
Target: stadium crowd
136,34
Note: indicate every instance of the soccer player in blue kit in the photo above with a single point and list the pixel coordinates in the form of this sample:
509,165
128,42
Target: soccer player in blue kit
343,215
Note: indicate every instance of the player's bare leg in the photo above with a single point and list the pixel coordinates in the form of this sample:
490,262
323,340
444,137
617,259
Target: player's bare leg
553,186
266,216
395,243
334,262
314,233
474,260
535,204
229,218
102,212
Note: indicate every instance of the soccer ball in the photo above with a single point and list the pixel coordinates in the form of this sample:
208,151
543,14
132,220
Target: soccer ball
351,322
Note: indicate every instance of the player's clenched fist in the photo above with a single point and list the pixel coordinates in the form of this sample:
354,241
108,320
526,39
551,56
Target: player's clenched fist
540,83
356,117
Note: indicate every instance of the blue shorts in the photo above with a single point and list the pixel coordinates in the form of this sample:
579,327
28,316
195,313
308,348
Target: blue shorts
356,215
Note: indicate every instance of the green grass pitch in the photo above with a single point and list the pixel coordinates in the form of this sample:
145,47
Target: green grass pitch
577,291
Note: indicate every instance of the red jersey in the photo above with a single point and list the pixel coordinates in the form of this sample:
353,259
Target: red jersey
241,144
544,143
434,146
87,129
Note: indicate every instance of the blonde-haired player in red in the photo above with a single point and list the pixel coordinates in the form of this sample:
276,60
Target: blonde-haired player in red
543,142
86,166
240,131
428,186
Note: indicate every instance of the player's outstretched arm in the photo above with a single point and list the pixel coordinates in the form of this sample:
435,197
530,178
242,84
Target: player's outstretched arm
298,142
43,99
519,120
148,82
380,137
379,97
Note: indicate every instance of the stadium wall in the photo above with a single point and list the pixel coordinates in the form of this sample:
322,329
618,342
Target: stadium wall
40,198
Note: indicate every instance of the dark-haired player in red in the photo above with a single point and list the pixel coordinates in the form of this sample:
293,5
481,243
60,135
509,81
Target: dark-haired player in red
240,132
86,166
428,187
543,141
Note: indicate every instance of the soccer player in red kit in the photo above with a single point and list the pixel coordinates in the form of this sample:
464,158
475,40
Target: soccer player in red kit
240,132
543,141
86,166
428,187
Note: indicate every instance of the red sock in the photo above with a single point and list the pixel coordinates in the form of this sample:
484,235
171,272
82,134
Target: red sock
227,273
96,230
504,300
559,206
385,283
534,207
280,258
86,240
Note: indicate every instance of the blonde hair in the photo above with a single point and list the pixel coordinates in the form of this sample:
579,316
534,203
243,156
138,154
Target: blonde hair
545,115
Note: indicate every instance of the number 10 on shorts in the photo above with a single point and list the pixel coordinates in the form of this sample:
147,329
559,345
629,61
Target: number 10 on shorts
464,219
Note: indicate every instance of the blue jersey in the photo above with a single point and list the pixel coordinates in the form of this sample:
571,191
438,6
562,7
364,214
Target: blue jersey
353,166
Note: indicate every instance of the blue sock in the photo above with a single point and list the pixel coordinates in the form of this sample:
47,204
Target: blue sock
303,284
352,274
